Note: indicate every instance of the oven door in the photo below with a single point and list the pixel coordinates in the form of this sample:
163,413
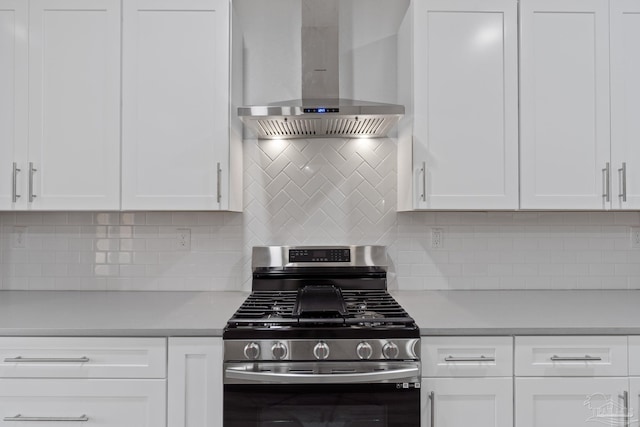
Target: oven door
360,394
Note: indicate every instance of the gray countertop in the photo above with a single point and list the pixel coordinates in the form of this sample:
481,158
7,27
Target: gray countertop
583,312
33,313
116,313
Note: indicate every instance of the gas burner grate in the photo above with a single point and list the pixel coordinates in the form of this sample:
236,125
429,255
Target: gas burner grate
365,308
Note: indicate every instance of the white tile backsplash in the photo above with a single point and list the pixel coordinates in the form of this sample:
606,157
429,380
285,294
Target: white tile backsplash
330,191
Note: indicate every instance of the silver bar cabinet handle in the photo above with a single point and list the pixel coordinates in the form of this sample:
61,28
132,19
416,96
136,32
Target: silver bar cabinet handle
623,171
432,403
219,185
586,358
469,359
31,172
606,194
20,359
14,192
24,418
625,401
423,196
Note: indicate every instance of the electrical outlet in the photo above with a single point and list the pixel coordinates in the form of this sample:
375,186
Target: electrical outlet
19,238
184,239
437,236
635,237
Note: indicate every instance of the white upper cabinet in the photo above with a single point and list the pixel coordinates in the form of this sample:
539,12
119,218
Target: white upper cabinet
60,104
625,104
464,148
177,140
74,105
564,104
13,100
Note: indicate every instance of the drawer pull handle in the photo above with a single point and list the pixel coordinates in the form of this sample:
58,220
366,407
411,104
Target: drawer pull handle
469,359
23,418
21,359
586,358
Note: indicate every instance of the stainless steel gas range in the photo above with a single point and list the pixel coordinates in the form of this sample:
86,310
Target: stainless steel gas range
321,343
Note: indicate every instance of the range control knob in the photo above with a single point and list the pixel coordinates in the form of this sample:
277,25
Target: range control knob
252,350
321,350
279,351
364,350
390,350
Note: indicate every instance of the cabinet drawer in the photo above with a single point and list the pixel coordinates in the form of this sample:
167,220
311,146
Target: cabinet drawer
571,356
83,357
467,356
103,402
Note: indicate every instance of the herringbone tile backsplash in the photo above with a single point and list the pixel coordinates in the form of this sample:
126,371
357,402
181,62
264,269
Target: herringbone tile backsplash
315,192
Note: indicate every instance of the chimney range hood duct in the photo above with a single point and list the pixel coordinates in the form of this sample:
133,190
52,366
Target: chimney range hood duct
320,113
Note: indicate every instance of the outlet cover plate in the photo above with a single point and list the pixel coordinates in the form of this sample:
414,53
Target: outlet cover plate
437,236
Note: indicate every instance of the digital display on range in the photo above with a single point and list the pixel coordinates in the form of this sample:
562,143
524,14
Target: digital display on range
319,255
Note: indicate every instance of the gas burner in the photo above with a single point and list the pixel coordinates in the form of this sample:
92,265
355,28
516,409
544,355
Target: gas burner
358,306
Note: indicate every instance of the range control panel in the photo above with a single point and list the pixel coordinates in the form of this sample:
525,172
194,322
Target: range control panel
320,255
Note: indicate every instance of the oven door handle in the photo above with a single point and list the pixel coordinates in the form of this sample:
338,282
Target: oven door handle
332,378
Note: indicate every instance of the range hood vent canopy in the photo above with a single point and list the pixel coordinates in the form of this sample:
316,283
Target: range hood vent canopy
320,113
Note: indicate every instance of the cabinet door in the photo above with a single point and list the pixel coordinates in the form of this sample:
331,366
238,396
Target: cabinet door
74,104
175,104
625,104
195,382
463,402
564,104
465,97
13,101
569,402
83,402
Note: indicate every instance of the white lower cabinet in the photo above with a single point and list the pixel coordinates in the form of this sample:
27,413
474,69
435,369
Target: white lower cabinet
463,402
87,381
85,402
195,382
570,402
565,381
467,381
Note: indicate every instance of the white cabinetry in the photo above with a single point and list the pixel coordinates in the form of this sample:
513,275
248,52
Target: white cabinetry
97,402
178,146
569,402
564,104
625,104
571,381
101,382
467,381
70,92
195,382
459,140
13,98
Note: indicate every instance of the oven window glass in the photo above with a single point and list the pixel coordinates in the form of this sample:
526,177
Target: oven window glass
321,405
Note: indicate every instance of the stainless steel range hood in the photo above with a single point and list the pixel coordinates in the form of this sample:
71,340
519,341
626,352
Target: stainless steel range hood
321,113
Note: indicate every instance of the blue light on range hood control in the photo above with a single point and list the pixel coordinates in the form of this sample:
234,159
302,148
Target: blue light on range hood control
321,110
